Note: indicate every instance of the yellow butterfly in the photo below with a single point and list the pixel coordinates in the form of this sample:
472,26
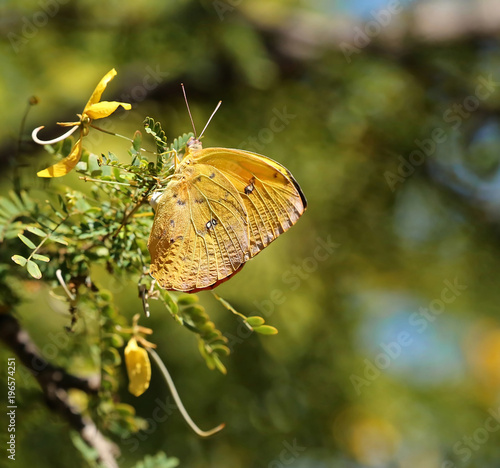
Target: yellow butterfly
221,208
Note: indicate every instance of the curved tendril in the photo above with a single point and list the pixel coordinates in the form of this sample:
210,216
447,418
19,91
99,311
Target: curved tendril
177,399
34,135
63,284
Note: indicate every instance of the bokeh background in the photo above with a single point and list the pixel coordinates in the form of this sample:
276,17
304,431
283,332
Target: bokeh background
385,293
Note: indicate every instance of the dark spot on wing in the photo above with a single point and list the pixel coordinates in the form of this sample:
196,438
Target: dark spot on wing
250,187
181,202
172,223
199,200
212,175
211,224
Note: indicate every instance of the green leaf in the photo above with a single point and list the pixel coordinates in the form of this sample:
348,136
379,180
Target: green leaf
180,143
208,357
124,409
218,364
27,202
59,215
160,460
266,330
12,231
187,299
220,349
93,164
170,303
42,258
196,312
19,259
207,327
106,171
8,207
112,157
36,231
59,240
137,141
16,200
26,241
33,269
111,357
88,453
81,166
82,205
255,321
62,203
116,340
66,146
154,128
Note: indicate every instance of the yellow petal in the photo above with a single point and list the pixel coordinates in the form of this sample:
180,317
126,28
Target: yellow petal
104,108
64,166
138,368
96,95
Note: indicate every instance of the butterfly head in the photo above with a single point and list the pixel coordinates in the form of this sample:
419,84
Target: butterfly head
194,144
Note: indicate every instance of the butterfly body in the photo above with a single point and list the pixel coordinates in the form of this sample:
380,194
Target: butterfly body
221,208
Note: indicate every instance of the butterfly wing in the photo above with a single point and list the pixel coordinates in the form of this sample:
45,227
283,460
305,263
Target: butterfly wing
200,233
272,198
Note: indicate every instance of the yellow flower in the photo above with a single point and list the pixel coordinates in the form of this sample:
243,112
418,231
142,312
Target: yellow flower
138,368
93,110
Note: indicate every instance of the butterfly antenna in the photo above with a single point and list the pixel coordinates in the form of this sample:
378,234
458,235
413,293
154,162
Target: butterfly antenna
213,113
189,110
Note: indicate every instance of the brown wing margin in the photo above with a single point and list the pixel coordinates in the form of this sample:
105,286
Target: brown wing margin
207,157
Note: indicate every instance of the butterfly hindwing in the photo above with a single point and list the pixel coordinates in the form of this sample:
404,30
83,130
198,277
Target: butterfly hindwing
200,232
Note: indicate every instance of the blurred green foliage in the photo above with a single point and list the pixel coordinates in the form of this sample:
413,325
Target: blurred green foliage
385,293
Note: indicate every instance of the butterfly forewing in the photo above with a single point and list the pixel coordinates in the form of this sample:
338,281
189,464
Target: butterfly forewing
272,198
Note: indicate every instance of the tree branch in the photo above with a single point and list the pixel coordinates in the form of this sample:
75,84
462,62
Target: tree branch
54,382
